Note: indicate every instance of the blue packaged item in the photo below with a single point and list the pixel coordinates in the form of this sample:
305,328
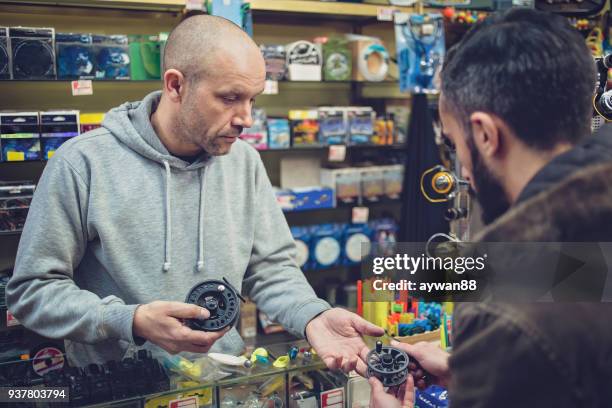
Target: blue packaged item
112,56
50,145
279,134
361,124
325,247
433,396
228,9
356,243
301,236
420,50
20,136
75,56
55,128
333,126
305,198
20,149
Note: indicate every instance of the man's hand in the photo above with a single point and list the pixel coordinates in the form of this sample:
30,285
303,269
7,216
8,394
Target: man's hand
336,337
160,323
432,358
400,397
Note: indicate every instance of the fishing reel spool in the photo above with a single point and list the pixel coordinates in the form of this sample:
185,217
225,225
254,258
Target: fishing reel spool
220,299
443,182
447,186
388,364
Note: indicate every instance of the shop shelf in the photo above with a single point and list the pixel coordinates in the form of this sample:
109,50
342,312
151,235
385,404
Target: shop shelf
5,233
336,9
341,10
163,5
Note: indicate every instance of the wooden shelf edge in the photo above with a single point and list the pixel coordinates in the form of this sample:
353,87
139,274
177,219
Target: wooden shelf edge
152,5
322,7
328,8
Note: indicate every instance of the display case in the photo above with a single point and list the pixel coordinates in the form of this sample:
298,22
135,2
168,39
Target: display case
136,382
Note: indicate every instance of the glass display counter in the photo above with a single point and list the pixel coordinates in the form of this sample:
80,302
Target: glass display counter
141,381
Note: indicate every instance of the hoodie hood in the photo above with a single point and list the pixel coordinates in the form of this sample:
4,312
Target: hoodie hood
131,124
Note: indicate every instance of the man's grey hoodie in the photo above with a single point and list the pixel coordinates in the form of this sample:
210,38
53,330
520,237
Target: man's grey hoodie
117,221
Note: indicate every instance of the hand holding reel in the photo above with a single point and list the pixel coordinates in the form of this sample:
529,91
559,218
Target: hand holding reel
220,299
388,364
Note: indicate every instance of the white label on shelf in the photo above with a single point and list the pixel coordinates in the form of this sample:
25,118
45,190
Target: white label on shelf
385,14
427,29
82,87
360,215
337,153
271,87
190,402
310,402
11,320
194,5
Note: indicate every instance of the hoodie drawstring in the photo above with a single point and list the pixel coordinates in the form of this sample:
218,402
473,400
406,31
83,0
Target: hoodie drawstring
200,264
167,257
167,261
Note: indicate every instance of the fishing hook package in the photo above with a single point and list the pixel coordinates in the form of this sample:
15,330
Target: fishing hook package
420,51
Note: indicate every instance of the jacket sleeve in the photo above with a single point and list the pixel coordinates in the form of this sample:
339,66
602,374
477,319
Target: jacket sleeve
42,293
499,361
273,279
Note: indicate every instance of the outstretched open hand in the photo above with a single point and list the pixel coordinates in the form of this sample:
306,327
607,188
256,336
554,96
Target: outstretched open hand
336,337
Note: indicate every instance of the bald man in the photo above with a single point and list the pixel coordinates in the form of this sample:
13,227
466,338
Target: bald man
128,218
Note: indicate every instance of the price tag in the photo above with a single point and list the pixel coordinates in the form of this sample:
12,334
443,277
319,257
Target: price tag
191,402
384,14
82,87
11,320
337,153
360,215
271,87
332,398
194,4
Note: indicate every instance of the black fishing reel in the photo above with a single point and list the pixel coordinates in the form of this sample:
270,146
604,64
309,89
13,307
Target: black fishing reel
388,364
220,299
